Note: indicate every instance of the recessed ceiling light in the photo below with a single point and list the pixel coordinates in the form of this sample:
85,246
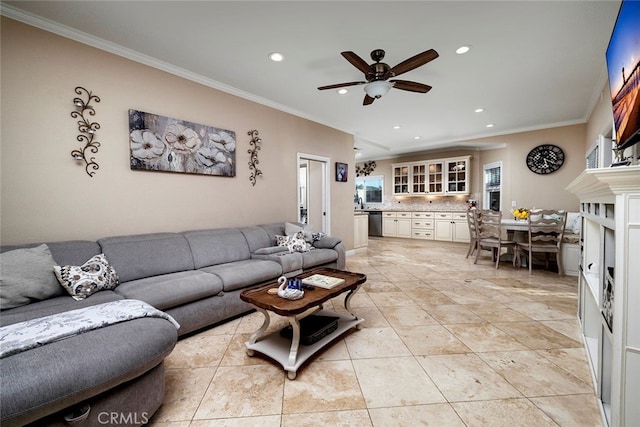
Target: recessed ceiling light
463,49
276,56
490,125
342,91
358,154
417,137
479,110
396,127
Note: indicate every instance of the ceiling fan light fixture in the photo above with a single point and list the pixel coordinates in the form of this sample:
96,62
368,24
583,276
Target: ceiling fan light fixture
377,88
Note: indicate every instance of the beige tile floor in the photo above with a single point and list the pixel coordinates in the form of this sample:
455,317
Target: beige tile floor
445,343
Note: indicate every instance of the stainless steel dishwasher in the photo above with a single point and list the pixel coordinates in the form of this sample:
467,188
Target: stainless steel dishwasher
375,223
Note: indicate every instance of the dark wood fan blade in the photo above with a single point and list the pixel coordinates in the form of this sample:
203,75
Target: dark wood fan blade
414,62
335,86
356,61
410,86
368,100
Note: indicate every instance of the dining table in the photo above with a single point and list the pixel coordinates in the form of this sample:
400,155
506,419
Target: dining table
517,230
513,225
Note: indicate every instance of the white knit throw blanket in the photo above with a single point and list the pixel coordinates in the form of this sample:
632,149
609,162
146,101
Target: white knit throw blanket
33,333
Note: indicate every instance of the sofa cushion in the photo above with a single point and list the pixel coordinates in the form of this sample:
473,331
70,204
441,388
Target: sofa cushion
318,257
70,252
145,255
171,290
93,276
327,242
289,262
273,230
272,250
240,274
217,246
73,252
26,276
119,353
257,238
54,305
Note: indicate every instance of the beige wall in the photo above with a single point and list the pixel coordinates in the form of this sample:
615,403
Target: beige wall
519,183
601,120
45,195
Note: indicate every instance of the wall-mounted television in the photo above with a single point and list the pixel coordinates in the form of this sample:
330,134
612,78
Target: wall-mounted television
623,65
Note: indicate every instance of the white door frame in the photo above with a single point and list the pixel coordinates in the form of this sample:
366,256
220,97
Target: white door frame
326,191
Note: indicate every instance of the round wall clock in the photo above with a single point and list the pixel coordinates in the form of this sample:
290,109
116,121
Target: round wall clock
545,158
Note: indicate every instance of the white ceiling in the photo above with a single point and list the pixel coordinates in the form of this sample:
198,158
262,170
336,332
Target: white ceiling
533,64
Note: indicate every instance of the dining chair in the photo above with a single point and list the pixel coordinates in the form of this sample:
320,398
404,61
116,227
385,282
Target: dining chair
545,233
473,231
490,234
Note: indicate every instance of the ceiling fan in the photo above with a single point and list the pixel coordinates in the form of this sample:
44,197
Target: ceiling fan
377,75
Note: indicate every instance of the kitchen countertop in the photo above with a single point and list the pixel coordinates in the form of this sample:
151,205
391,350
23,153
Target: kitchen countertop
363,211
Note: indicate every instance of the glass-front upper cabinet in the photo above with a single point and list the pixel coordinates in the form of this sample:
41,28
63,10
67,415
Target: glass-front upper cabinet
457,176
401,179
419,178
436,176
445,176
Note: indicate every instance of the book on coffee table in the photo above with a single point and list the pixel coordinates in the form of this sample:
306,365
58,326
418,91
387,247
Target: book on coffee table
322,281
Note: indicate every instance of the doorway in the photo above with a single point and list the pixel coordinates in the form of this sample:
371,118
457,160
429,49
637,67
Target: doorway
313,191
492,186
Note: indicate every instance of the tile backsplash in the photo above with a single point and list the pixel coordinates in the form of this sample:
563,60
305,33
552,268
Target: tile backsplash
421,203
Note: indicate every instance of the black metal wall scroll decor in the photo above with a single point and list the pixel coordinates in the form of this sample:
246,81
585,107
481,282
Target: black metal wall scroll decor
253,151
87,129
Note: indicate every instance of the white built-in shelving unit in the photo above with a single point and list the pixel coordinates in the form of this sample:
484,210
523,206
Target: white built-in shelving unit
609,287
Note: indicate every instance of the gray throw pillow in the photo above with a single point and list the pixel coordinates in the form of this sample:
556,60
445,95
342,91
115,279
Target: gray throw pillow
26,275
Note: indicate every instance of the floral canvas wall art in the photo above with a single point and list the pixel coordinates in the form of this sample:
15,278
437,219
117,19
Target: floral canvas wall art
164,144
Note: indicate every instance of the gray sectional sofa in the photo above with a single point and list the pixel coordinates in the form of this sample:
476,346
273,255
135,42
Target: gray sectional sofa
117,370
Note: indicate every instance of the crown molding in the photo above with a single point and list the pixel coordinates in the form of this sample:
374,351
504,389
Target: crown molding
98,43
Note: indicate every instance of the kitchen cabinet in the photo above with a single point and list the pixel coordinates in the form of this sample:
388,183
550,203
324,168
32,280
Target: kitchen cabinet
457,176
609,289
448,176
401,179
396,224
422,225
419,178
435,177
361,231
451,226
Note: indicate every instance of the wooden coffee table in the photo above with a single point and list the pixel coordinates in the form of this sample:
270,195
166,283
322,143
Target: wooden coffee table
288,352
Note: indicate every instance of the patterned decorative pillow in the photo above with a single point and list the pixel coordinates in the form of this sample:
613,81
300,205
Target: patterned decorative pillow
282,240
291,229
295,243
317,236
92,276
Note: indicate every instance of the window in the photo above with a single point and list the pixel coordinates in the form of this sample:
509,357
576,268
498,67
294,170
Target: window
369,189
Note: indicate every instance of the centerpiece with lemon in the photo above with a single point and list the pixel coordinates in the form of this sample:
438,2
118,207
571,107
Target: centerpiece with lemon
521,213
